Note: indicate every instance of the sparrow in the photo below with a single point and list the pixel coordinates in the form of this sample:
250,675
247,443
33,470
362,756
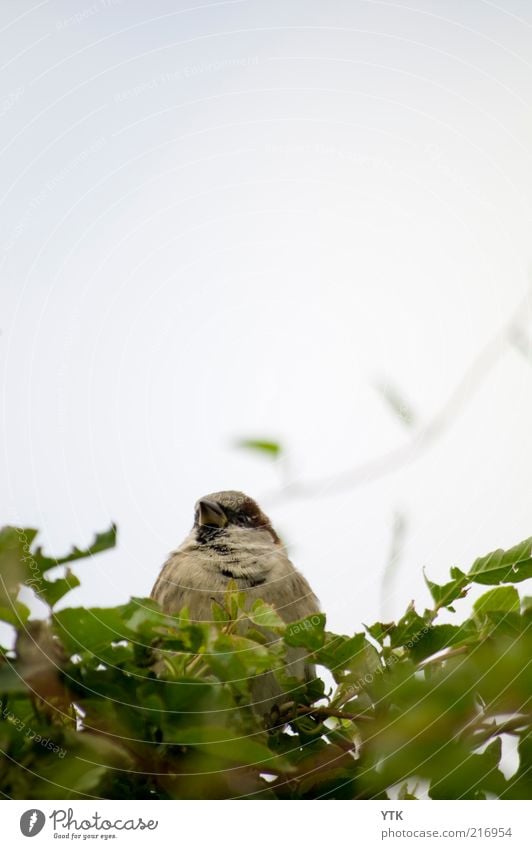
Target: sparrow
233,540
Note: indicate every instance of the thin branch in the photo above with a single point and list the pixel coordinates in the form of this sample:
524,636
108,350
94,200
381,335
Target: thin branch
482,733
326,713
393,563
439,658
391,461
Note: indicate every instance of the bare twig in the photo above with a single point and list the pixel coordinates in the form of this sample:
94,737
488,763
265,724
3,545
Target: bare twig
394,560
326,713
391,461
484,731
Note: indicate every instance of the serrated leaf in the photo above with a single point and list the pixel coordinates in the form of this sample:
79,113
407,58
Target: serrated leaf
220,743
52,591
235,659
15,614
339,651
21,565
409,629
90,630
444,594
439,637
498,599
101,542
380,630
10,681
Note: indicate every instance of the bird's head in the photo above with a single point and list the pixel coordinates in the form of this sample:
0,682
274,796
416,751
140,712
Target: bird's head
221,513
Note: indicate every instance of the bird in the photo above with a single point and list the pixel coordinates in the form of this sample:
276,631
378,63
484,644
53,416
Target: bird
232,540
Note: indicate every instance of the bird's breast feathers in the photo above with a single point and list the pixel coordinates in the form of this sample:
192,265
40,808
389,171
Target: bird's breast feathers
196,574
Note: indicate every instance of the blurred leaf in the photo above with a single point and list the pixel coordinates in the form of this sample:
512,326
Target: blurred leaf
501,598
219,743
266,616
53,591
130,702
409,629
102,542
263,446
16,614
396,402
19,564
380,630
444,594
439,637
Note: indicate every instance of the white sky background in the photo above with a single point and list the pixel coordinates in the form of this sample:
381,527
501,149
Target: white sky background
230,220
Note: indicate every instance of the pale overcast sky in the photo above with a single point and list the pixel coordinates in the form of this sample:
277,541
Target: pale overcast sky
234,219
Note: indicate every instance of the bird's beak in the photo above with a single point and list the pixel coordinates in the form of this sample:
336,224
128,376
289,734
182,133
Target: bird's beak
211,514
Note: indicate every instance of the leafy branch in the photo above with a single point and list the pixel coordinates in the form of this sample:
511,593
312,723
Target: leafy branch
165,707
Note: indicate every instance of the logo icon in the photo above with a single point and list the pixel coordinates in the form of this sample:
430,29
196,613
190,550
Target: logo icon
32,822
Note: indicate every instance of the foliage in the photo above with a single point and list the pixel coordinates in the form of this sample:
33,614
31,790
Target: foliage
127,702
267,447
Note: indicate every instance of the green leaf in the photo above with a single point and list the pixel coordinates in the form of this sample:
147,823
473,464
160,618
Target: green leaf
409,629
52,591
235,658
14,559
16,614
10,681
339,651
444,594
439,637
263,446
380,630
266,616
102,542
220,743
307,632
500,567
500,598
219,612
90,630
190,696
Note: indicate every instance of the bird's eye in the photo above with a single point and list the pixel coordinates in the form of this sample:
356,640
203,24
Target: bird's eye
243,518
